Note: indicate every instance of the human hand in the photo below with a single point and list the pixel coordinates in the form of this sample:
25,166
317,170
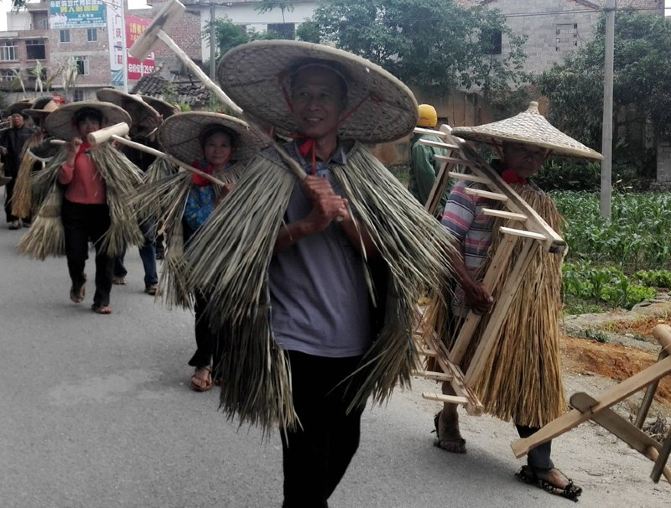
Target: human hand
478,298
72,146
327,206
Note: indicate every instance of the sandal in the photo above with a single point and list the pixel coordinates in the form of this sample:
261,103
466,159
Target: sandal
101,309
198,384
77,296
528,475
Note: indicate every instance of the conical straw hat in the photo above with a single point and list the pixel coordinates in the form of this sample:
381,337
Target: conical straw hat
42,107
60,125
256,76
143,114
163,107
180,135
531,128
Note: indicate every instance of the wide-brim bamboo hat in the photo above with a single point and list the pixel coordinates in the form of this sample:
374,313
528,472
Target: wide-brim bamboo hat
257,77
531,128
60,124
42,107
19,107
181,134
163,107
143,115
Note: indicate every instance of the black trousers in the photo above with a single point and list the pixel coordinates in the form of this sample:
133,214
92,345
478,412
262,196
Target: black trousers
84,223
317,454
539,457
9,193
207,350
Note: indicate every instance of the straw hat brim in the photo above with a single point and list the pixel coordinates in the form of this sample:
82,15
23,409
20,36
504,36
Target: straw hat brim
143,114
48,108
19,107
530,128
256,77
180,134
60,125
164,108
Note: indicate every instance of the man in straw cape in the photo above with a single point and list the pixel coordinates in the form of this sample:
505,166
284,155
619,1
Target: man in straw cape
315,272
85,199
522,377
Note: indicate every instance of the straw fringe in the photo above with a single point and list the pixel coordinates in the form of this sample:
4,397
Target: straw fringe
230,258
22,197
46,236
521,380
122,178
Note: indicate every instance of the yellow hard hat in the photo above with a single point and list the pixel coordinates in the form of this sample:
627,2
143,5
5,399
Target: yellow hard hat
427,116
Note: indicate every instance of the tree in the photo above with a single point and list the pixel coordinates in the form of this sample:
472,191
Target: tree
642,73
269,5
435,44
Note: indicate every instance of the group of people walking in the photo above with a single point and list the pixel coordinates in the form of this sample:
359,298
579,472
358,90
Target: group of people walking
301,255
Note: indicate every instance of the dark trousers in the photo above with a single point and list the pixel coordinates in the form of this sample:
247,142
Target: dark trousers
317,453
9,193
539,457
207,350
147,255
84,223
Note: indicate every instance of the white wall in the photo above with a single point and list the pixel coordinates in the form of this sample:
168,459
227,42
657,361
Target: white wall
245,14
18,21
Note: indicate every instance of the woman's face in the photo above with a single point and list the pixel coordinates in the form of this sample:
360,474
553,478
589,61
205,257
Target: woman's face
218,149
87,126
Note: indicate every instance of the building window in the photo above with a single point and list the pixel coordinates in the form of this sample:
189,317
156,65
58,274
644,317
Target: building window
282,30
7,75
35,49
78,95
91,34
492,41
82,65
7,51
567,36
40,20
65,35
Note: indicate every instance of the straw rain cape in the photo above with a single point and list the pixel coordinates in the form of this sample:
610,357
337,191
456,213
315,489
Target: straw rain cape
22,197
231,256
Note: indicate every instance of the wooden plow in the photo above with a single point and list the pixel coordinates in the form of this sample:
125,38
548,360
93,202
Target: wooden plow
524,226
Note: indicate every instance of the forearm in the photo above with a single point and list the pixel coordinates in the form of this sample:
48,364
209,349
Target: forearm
66,172
292,233
360,238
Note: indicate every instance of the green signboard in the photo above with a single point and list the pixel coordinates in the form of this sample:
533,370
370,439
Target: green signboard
65,14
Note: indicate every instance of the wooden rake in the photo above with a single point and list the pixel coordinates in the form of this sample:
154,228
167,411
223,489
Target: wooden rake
462,162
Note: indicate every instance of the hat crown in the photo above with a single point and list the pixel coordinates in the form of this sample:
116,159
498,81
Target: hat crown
533,108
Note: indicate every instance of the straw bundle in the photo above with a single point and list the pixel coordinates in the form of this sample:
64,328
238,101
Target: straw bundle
522,375
22,197
46,236
231,255
44,180
122,178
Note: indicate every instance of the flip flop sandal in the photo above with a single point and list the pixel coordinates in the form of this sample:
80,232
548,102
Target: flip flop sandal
529,476
199,384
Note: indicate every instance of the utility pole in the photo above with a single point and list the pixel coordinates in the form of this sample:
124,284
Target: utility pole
607,133
213,46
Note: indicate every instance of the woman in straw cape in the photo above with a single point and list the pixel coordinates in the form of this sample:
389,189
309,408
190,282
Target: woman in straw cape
522,377
35,154
217,145
146,121
97,183
316,279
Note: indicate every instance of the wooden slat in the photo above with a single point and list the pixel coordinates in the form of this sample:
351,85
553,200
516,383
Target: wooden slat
661,460
468,177
427,352
504,215
522,233
421,130
486,194
438,144
454,160
450,399
437,376
605,399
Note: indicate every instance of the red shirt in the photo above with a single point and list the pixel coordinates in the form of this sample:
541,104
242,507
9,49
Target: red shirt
84,183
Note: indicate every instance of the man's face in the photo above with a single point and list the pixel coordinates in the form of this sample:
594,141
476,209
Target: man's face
17,121
317,102
526,160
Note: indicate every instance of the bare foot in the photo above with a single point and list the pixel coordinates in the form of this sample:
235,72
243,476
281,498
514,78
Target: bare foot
554,477
201,381
447,432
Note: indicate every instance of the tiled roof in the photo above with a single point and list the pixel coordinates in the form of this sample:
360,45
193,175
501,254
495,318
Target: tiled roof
180,91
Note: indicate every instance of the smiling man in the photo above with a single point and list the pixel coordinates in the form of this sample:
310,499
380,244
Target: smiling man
319,276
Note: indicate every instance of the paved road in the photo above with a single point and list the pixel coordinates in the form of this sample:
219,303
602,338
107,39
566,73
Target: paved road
95,411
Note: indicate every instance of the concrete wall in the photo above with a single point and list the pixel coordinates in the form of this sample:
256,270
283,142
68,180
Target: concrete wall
664,162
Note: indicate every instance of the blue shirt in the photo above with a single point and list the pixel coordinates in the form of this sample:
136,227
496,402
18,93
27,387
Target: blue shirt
319,296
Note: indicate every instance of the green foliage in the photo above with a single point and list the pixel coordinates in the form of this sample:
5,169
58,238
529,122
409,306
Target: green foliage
308,31
438,45
655,278
642,73
637,236
229,35
269,5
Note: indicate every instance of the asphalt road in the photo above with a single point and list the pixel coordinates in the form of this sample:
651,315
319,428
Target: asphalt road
95,411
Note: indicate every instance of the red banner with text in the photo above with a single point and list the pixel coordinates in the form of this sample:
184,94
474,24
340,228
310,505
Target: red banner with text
135,25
